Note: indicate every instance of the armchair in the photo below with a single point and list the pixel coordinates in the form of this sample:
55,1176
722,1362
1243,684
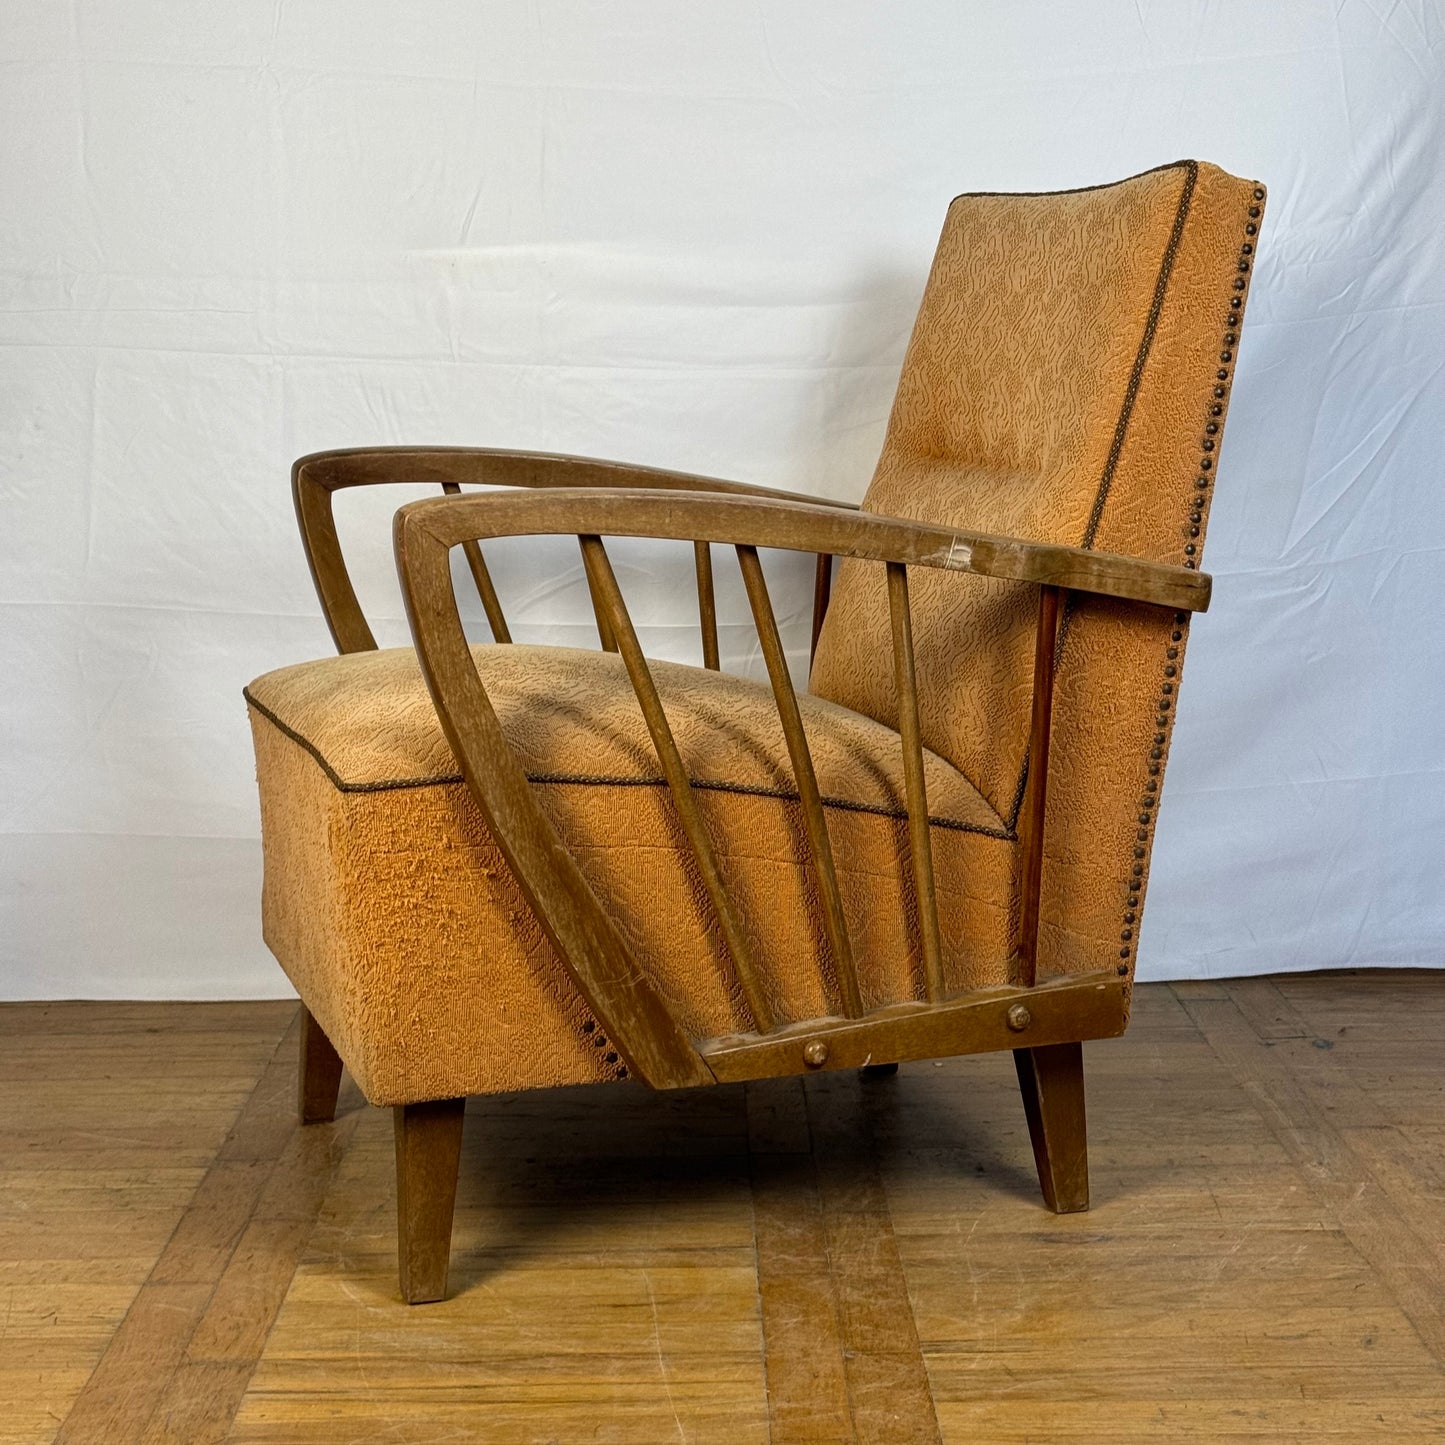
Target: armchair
504,866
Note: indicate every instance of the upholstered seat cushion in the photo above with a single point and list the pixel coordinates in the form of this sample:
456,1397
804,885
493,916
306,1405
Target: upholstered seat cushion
398,920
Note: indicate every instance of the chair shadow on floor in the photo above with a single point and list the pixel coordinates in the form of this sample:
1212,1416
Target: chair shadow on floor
627,1172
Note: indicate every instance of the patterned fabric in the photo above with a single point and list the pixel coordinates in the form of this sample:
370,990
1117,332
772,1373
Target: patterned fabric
399,923
1066,382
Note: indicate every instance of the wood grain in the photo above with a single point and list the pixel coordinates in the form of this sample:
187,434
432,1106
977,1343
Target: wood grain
920,834
706,605
482,579
805,1258
1032,811
109,1130
608,597
805,780
1061,1010
428,1139
318,1073
585,937
314,478
206,1307
1051,1081
803,526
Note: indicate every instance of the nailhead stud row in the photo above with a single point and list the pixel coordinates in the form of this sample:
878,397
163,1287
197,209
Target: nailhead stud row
598,1040
1198,497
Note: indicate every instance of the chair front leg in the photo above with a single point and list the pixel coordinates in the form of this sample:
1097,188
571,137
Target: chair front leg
319,1073
1051,1080
428,1156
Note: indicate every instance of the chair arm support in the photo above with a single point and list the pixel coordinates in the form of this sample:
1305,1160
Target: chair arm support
586,938
316,476
760,521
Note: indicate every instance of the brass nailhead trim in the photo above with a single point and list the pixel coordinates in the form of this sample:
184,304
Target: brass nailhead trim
1196,518
598,1040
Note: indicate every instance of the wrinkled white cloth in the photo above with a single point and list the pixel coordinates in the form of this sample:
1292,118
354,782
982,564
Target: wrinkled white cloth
694,236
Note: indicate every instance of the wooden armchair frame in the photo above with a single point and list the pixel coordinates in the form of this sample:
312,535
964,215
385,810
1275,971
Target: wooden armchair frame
1043,1021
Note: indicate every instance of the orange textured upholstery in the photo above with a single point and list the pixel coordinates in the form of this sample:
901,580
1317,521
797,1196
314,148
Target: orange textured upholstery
399,923
1066,382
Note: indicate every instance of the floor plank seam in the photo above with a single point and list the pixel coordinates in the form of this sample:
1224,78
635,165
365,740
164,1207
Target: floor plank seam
1422,1308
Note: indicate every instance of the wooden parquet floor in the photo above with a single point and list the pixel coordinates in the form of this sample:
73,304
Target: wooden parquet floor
835,1260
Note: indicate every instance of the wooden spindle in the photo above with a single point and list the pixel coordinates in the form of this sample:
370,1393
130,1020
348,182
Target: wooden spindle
822,591
1031,815
605,634
706,605
810,799
613,608
920,839
482,577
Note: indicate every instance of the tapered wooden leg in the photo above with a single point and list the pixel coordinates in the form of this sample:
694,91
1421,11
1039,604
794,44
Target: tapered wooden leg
1052,1082
320,1073
428,1154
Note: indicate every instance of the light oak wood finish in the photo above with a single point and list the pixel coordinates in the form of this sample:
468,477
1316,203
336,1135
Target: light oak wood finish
986,1020
579,928
706,606
1031,814
996,456
739,519
798,1259
153,1180
920,835
619,625
1051,1081
428,1139
588,939
482,577
576,921
590,500
606,639
318,1073
314,479
805,780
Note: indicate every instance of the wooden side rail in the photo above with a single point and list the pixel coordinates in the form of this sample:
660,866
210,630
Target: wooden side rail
584,935
799,526
1068,1009
314,478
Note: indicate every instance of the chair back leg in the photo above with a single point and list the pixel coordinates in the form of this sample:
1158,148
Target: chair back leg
1051,1080
428,1155
319,1073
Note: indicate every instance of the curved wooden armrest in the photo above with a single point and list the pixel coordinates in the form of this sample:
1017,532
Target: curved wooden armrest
498,467
586,938
316,476
791,525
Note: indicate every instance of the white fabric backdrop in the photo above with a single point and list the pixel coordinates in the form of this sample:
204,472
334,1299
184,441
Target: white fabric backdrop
691,235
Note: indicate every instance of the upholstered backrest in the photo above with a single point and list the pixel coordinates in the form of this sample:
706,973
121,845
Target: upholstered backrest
1066,382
